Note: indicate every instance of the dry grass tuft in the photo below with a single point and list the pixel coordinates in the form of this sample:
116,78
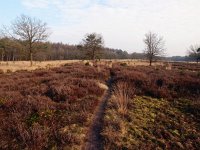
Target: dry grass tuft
121,93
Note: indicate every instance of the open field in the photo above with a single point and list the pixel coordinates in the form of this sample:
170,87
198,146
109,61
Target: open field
72,106
25,65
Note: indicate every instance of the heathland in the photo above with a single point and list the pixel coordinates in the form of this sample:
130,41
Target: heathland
104,105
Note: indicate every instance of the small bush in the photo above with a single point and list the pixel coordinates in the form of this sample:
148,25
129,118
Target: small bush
123,64
198,74
9,71
32,119
160,83
87,64
2,101
182,72
1,71
67,64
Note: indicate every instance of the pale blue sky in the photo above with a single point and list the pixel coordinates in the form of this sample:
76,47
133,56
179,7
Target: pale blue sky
122,23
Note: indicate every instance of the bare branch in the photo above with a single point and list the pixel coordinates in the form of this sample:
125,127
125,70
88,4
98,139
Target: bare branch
30,30
154,46
194,52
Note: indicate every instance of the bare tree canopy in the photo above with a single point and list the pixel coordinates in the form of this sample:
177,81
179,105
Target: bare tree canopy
194,52
29,30
154,46
92,43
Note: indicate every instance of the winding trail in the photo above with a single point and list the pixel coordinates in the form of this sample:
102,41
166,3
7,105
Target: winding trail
94,138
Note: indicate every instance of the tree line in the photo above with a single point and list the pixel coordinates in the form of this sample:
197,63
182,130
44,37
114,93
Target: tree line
26,39
10,50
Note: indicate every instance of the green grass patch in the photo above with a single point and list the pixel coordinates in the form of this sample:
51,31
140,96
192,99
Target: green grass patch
33,119
150,124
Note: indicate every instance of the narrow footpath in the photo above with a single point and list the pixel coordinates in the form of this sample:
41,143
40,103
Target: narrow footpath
94,138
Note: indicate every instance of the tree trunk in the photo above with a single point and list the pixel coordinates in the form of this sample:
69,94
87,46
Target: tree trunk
93,54
2,55
31,58
31,53
150,62
13,59
7,60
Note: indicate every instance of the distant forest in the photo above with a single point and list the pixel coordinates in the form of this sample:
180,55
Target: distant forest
17,51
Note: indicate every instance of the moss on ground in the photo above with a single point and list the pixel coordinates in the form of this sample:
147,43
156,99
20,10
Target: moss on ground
151,124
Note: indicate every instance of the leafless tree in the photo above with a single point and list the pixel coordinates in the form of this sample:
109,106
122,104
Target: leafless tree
92,43
194,52
29,30
154,46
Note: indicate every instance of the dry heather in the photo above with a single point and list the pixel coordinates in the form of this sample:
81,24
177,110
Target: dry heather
48,109
158,82
51,108
163,114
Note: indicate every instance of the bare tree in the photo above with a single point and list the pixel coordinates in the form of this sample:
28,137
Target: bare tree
154,46
29,30
92,43
194,52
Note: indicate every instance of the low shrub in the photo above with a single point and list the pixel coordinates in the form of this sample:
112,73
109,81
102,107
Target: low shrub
87,64
198,74
159,83
9,71
39,105
123,64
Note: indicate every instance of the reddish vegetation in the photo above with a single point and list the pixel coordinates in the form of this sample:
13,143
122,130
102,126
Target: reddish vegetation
160,83
52,109
42,109
186,66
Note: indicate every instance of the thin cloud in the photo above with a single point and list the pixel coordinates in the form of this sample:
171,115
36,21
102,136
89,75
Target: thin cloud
36,3
123,23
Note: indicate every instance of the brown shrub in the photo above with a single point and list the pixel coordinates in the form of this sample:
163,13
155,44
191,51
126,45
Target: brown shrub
35,106
159,83
1,71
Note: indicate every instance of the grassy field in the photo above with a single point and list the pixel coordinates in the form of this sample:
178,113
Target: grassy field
153,108
151,123
25,65
145,107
